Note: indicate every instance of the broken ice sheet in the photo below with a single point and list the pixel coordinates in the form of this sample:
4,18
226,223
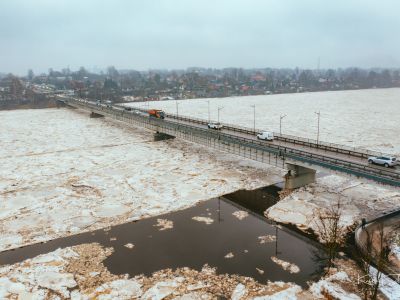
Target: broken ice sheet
287,266
129,245
164,224
260,271
267,238
240,214
206,220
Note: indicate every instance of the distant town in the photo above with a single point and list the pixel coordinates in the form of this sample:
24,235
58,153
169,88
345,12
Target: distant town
129,85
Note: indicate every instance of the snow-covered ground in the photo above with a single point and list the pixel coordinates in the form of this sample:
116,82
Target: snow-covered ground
360,118
357,199
78,273
63,173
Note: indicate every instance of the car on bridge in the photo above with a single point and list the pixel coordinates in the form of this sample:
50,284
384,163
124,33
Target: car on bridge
386,161
216,126
266,136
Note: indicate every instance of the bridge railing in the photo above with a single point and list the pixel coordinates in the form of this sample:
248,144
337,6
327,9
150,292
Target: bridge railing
333,147
284,152
309,157
311,143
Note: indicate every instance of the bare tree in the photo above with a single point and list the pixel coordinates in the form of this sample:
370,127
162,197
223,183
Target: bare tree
329,229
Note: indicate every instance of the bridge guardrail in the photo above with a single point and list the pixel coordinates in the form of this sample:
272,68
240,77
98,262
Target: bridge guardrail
312,158
357,169
332,147
297,154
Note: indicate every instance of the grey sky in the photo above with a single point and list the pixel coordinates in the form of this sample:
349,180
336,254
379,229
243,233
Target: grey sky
143,34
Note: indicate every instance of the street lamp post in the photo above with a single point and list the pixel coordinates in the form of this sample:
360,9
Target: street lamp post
177,111
208,101
219,108
254,118
319,116
280,124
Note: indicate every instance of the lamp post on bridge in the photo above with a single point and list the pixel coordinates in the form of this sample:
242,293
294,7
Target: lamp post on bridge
208,101
319,116
254,117
280,124
177,111
219,108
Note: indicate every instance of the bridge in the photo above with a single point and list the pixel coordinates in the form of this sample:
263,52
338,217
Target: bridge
301,157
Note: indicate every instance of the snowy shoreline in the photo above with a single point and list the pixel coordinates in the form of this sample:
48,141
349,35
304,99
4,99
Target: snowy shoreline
358,200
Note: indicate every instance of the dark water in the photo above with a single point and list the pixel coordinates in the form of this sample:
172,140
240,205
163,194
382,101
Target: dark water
193,244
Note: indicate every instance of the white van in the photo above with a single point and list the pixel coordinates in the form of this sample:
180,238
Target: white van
266,136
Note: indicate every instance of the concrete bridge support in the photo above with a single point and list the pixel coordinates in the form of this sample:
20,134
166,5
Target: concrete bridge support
298,176
96,115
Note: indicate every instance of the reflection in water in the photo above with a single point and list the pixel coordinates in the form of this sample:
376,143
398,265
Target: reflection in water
258,200
159,136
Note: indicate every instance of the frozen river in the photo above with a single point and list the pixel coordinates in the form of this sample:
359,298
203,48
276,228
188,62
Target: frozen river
360,118
63,173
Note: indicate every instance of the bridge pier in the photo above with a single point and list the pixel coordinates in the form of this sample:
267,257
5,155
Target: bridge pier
96,115
298,176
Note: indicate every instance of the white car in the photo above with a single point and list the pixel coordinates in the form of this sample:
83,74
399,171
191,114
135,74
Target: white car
216,126
386,161
266,136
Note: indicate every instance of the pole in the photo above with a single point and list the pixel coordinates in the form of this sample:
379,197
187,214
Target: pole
177,112
208,101
254,118
219,108
280,124
319,115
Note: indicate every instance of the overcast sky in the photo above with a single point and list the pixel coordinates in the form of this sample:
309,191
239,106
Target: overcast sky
172,34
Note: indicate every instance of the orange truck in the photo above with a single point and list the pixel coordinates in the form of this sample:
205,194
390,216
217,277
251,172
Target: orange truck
157,113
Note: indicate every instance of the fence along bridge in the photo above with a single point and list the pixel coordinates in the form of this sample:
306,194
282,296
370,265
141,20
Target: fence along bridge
301,157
